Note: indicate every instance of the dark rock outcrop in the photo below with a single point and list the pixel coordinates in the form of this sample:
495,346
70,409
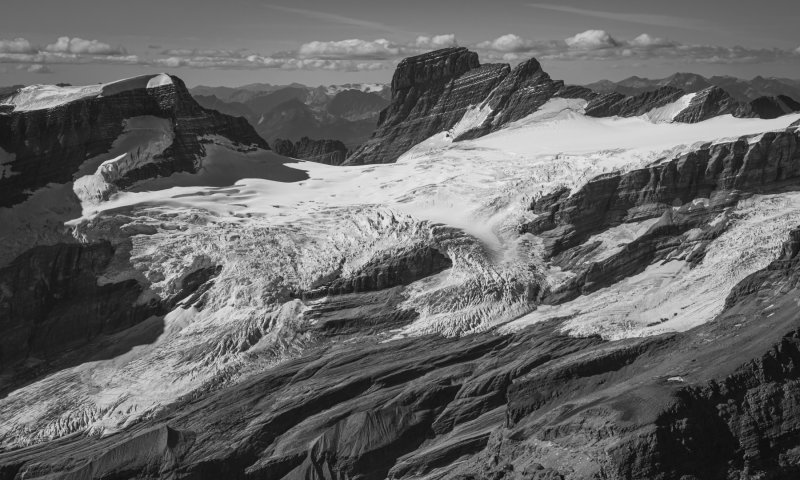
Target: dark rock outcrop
430,94
718,172
49,145
523,91
400,268
612,104
52,301
712,102
774,107
56,300
329,152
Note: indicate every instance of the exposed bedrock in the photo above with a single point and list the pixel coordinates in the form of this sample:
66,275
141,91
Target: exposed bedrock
611,104
679,234
521,92
711,102
774,107
430,94
56,300
391,270
329,152
49,145
719,172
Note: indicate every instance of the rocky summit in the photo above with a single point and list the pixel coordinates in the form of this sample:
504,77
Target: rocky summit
512,278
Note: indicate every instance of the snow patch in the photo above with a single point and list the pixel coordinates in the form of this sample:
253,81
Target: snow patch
667,113
142,140
159,80
38,97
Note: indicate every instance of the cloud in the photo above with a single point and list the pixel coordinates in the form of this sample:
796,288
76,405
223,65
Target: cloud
592,40
195,52
35,68
380,49
83,47
508,43
645,40
255,62
437,41
65,50
640,18
343,55
600,45
797,50
18,45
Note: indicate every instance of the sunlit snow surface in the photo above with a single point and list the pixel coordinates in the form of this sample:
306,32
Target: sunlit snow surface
38,97
277,235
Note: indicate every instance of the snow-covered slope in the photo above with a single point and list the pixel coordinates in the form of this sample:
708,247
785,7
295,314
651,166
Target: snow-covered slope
273,229
38,97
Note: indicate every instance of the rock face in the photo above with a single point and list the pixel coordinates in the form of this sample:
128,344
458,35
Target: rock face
430,94
52,302
56,300
523,91
50,144
329,152
711,102
710,172
774,107
448,91
612,104
401,268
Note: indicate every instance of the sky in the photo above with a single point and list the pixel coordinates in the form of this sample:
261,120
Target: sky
237,42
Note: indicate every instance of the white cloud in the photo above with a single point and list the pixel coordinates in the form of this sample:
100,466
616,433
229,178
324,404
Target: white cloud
195,52
645,40
17,45
592,40
68,58
352,48
255,62
65,50
600,45
507,43
437,41
797,50
82,47
344,55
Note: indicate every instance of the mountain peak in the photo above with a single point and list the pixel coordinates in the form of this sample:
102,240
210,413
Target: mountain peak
436,66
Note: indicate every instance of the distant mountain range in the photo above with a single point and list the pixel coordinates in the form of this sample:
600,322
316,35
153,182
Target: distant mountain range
740,89
347,113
